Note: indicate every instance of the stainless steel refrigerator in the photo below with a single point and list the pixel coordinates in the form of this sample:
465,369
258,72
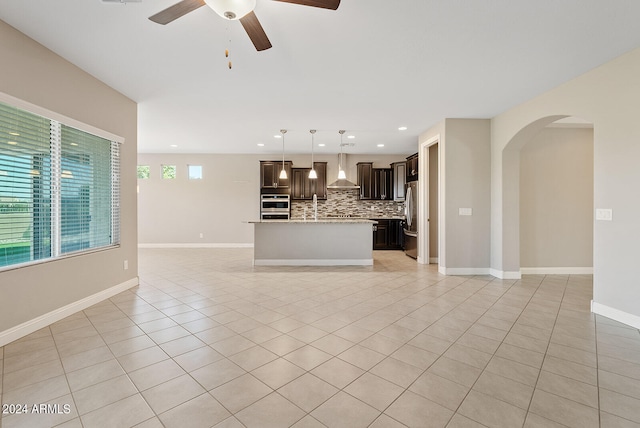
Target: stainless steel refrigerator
411,222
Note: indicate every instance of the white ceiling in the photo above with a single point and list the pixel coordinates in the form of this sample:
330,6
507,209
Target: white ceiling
369,67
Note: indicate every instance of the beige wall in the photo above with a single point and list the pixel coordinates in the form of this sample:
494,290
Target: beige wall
35,75
608,97
556,199
464,173
219,205
433,201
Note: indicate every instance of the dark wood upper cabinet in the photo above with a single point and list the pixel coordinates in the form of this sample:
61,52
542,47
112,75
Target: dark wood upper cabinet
270,176
375,183
412,168
399,180
319,186
300,185
303,188
365,179
383,184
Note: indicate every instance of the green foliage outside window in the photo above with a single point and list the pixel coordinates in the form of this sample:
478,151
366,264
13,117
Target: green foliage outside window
143,171
169,171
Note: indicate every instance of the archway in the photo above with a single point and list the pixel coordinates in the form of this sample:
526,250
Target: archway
510,193
556,199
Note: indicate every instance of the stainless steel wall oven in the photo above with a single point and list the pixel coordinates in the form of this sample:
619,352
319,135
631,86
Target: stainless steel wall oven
275,207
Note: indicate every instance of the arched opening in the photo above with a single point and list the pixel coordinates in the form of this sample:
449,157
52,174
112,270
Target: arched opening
511,199
556,200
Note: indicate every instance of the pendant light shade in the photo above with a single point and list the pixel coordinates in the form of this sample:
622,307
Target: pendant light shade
341,174
312,173
283,173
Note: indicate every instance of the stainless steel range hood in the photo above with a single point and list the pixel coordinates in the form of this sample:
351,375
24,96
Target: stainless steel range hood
342,184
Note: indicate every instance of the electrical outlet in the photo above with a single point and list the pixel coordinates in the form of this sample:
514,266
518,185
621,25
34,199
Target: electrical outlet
201,235
125,265
604,214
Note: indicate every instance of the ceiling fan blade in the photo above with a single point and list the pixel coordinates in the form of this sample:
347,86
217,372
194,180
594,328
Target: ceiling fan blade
255,31
176,11
325,4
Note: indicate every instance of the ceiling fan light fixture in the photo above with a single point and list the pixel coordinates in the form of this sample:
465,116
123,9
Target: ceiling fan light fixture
231,9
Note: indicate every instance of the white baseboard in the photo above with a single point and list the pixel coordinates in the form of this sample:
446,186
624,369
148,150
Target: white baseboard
28,327
195,245
616,314
466,271
313,262
505,274
433,260
556,270
442,270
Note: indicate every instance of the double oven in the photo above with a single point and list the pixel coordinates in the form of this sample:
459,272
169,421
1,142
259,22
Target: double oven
275,207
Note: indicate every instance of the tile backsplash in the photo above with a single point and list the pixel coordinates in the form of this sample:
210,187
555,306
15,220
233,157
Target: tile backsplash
342,202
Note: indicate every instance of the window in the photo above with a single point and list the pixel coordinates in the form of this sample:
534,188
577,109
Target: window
169,172
59,189
143,172
195,172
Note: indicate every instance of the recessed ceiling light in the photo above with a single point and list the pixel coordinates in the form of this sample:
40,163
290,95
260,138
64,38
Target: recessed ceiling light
380,145
13,143
277,136
351,137
321,145
260,144
14,134
174,145
73,144
402,128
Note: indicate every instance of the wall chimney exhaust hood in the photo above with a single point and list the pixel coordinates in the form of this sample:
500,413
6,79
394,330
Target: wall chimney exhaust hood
342,184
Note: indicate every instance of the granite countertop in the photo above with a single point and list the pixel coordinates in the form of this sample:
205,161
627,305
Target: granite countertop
320,220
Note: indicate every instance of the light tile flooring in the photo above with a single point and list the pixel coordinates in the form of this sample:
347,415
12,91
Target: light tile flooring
208,340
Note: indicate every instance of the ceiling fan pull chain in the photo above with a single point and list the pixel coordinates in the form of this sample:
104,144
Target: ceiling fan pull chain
226,51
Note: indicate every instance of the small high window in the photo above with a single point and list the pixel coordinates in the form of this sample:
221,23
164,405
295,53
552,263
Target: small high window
195,172
169,172
143,172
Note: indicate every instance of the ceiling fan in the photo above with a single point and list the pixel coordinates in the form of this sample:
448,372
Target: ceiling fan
235,10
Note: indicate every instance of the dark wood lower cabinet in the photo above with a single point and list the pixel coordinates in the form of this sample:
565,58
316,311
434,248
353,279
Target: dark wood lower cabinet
387,234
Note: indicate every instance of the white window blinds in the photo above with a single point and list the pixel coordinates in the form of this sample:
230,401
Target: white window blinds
59,189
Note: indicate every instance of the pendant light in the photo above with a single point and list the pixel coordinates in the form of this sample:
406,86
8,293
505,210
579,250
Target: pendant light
341,174
312,173
283,173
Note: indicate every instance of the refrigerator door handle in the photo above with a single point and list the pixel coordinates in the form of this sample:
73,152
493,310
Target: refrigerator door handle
408,207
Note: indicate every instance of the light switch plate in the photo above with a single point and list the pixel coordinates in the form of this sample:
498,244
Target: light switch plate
604,214
465,211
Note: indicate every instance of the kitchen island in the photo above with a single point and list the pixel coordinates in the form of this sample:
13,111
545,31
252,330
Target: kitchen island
322,242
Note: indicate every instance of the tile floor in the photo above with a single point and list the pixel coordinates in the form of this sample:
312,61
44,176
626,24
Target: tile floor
208,340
